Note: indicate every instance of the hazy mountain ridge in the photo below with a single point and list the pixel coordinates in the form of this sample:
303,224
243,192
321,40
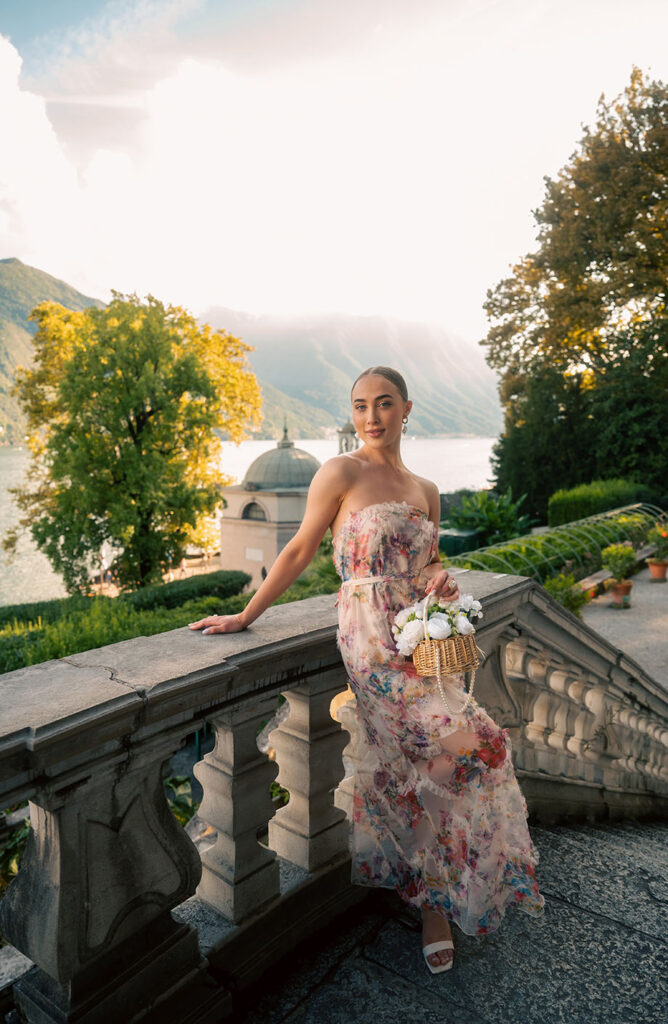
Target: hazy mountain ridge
305,365
316,358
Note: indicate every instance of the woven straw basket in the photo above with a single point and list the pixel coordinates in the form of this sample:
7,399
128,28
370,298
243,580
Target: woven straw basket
444,657
456,654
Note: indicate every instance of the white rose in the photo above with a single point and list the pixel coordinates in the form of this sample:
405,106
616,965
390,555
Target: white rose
463,626
476,607
439,628
412,632
466,602
403,616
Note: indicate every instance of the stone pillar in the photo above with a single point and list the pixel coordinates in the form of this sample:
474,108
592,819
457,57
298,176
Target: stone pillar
309,830
239,875
104,864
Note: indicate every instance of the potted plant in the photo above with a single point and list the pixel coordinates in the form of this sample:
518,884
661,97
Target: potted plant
620,560
658,537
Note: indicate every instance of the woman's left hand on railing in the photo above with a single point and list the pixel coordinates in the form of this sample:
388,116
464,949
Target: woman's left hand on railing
219,624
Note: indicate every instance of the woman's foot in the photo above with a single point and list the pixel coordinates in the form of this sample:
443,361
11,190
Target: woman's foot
435,928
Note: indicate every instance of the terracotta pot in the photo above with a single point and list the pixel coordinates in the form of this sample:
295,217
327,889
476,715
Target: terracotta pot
657,570
621,593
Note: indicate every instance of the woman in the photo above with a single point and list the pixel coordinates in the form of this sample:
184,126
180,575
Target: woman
437,812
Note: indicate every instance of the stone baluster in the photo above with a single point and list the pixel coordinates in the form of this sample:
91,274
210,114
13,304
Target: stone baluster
104,864
309,830
352,754
239,875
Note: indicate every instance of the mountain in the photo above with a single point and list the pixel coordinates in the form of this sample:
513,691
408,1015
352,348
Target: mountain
305,365
21,289
315,359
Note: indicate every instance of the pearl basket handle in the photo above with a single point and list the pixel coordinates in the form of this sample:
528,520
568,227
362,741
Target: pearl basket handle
469,695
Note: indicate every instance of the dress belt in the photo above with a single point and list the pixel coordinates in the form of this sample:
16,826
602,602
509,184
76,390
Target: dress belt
355,580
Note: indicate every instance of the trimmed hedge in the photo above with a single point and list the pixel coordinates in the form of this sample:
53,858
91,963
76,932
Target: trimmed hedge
599,496
105,621
220,584
99,621
47,611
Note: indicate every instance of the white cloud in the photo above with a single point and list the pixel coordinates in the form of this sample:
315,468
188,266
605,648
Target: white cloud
394,175
39,190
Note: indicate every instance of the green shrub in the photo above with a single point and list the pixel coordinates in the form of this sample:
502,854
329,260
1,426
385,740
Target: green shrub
221,584
171,595
47,611
598,496
105,621
452,500
496,517
658,538
178,790
10,855
564,589
619,559
102,620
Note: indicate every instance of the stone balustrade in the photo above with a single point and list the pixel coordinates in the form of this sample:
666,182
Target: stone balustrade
118,913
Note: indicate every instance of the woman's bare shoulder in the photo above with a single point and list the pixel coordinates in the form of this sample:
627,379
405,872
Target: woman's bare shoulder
431,493
343,469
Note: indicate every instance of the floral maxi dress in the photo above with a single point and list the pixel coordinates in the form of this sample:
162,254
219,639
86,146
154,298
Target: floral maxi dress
443,823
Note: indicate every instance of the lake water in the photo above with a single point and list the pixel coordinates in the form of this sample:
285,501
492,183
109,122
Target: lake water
450,462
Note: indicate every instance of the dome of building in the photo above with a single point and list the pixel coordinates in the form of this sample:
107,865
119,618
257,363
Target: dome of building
283,467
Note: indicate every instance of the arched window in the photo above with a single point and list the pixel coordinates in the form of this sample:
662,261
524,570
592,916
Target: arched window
253,511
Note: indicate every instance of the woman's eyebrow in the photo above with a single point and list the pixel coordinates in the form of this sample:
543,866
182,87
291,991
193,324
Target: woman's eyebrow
378,397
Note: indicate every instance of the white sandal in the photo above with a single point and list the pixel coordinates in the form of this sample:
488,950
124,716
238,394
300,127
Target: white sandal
436,947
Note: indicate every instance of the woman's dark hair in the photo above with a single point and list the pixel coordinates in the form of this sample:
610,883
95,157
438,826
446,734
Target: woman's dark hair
393,376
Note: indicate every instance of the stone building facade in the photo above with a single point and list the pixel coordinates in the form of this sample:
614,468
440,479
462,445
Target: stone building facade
265,510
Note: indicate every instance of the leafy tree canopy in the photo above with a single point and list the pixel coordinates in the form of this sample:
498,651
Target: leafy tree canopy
602,260
123,405
579,331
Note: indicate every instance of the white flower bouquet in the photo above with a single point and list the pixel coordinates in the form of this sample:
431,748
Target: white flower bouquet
444,619
440,638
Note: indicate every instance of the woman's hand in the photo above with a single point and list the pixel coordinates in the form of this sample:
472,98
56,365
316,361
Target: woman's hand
219,624
441,582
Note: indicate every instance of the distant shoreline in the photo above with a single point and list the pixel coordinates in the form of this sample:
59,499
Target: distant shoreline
453,462
273,437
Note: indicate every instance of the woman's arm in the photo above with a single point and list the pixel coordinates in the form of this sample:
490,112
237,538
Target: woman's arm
439,580
325,494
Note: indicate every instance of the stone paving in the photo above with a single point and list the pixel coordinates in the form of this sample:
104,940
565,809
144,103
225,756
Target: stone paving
599,955
641,630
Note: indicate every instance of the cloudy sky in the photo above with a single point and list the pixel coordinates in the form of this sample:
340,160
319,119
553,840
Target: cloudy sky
365,156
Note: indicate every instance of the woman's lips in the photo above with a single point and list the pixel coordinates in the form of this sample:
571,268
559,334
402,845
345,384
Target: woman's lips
375,433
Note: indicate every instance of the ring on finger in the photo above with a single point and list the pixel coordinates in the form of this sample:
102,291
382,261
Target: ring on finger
452,584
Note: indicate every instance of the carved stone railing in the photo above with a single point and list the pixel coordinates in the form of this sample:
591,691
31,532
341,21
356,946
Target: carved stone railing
113,905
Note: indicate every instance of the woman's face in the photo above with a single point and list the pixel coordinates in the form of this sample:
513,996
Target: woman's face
378,410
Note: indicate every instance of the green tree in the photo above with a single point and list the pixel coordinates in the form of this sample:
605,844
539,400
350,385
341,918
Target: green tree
579,330
549,441
124,406
602,260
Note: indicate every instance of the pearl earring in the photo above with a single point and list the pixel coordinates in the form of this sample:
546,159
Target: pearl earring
404,421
